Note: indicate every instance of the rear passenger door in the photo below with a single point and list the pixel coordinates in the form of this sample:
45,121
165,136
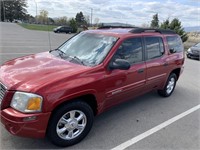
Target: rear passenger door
155,62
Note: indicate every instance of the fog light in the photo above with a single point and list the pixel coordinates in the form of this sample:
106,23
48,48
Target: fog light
31,118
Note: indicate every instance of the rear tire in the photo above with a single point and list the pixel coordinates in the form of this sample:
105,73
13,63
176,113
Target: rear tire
169,86
70,124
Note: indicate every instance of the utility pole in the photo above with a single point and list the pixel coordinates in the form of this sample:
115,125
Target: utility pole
4,16
35,10
91,16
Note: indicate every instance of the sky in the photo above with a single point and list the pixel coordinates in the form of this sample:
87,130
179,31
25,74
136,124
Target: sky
133,12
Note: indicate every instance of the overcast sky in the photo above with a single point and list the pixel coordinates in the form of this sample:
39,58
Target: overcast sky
123,11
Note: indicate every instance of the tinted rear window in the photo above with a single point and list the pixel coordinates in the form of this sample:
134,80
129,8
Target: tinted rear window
175,42
154,47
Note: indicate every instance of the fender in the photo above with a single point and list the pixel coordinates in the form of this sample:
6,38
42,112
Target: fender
69,97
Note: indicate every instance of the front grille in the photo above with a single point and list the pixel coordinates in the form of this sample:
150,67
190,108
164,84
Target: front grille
2,92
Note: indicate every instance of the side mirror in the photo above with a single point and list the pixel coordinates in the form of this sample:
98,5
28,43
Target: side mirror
119,64
172,50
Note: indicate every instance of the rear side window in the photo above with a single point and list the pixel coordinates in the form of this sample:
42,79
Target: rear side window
175,42
154,47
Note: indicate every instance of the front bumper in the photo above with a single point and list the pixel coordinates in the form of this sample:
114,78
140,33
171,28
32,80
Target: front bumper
191,55
21,124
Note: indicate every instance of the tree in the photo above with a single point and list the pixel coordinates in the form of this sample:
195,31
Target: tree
165,24
175,25
73,24
13,9
80,19
43,17
155,21
50,20
96,22
29,19
87,20
62,20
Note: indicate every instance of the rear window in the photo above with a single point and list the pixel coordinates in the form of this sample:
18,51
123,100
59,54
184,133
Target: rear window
175,42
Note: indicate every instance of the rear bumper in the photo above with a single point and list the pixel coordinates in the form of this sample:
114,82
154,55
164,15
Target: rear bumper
182,69
26,125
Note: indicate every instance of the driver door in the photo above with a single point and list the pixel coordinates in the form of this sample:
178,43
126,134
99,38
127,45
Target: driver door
125,84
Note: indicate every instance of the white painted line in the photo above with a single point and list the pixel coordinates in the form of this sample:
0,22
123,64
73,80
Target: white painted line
155,129
14,53
27,46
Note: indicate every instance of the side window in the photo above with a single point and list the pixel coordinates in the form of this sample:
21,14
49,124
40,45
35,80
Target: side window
131,50
174,42
154,47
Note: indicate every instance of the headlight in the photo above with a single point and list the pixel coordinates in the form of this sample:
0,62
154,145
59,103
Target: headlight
189,50
26,102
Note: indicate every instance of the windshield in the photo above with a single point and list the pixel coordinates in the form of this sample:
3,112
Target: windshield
197,45
88,48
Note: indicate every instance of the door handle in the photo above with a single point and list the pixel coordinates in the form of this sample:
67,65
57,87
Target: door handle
141,70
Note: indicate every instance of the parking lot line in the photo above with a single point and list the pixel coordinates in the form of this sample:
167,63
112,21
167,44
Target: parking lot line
14,53
154,129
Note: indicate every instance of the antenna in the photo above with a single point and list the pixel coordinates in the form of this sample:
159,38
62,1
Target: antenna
49,33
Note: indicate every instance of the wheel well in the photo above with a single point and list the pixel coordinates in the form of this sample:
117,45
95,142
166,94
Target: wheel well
89,99
177,72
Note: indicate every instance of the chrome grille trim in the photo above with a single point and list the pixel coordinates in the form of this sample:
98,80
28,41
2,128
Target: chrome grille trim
2,91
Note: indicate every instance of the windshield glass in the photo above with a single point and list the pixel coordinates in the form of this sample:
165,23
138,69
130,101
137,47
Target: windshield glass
197,45
88,48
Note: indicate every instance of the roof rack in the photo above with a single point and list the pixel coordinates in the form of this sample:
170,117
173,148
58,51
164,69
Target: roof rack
147,30
112,27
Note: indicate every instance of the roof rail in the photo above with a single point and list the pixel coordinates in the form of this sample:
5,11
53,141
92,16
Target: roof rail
147,30
112,27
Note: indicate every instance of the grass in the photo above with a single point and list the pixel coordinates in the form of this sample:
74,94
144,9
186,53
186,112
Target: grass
194,38
38,27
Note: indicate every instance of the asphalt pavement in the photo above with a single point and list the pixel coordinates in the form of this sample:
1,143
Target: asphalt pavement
17,41
125,121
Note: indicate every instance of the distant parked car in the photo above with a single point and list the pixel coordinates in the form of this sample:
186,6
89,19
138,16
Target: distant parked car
194,52
64,29
17,21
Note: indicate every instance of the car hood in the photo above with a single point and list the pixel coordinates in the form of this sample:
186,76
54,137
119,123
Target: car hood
195,48
32,72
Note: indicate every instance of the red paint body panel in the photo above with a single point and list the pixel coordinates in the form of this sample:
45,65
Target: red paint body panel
14,123
58,81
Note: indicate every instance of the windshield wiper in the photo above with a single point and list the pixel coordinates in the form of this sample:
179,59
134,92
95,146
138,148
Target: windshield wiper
60,52
74,58
63,55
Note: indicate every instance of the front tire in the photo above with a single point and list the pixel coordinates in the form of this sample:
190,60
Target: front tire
169,86
70,124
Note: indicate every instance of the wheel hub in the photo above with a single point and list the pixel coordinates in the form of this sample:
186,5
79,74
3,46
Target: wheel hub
72,125
170,85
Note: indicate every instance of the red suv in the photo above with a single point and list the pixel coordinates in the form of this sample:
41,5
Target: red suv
58,93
